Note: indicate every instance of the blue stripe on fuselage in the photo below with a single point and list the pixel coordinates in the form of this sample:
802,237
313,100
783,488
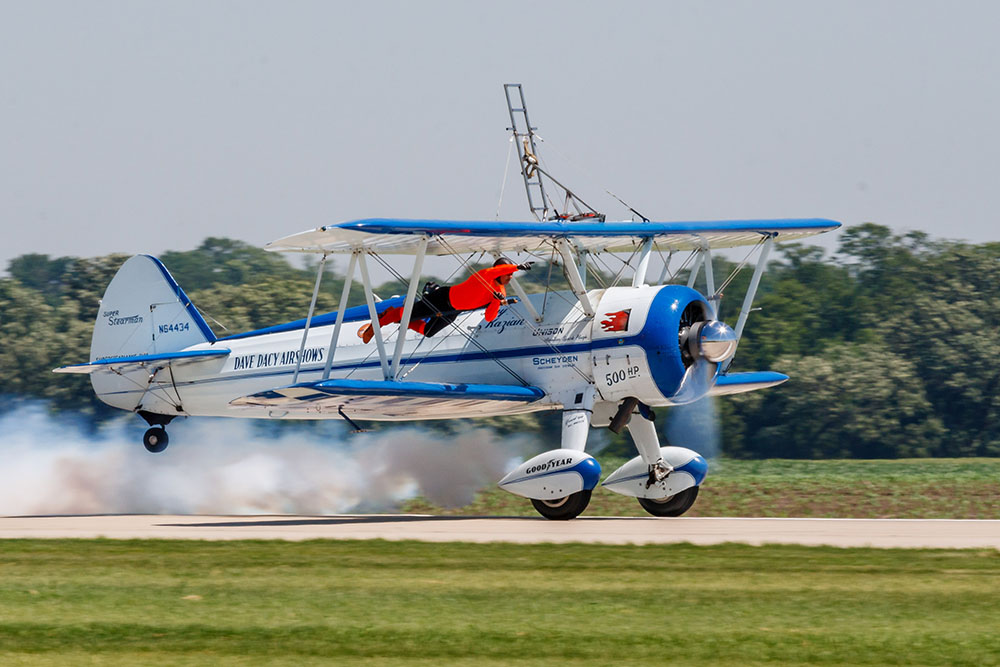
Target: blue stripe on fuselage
436,359
442,358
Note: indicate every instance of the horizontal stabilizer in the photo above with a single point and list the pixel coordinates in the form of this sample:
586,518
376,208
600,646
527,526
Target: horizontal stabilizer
121,364
388,398
737,383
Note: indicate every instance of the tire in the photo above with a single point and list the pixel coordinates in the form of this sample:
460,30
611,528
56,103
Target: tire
563,509
674,505
155,440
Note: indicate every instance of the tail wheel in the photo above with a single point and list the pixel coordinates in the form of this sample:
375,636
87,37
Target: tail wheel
674,505
565,508
155,440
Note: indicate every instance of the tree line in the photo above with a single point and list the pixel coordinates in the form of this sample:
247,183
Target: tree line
892,342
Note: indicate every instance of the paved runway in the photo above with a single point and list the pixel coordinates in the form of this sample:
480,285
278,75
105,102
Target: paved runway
604,530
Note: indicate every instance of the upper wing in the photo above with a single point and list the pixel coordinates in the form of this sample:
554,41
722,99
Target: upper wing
386,235
388,398
125,364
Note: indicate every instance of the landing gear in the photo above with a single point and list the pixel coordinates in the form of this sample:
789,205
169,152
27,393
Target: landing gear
674,505
565,508
658,472
155,440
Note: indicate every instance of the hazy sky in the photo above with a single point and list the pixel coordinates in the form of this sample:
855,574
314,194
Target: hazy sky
147,126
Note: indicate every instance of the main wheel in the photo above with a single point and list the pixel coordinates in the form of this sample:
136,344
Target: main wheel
674,505
565,508
155,440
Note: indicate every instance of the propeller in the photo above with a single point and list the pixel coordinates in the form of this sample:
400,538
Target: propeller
696,426
705,345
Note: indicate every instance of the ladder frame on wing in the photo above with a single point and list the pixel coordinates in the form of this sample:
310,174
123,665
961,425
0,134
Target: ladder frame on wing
523,136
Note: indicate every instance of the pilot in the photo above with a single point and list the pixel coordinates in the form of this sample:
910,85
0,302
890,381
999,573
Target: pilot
439,306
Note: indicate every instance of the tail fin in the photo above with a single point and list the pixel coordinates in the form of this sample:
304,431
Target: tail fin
145,311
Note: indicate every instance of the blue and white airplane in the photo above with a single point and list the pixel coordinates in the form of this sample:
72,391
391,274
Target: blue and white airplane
603,356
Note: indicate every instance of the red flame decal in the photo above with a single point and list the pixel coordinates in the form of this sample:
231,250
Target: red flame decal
617,321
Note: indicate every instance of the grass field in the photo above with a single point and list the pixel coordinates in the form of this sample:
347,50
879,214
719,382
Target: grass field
402,603
904,489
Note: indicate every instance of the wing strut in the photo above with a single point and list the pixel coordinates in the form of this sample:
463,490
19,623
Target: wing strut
713,298
758,271
699,257
573,276
666,267
639,277
312,308
752,288
702,259
373,314
344,294
411,293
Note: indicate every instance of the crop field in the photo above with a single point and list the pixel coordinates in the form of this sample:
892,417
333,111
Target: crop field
876,489
403,603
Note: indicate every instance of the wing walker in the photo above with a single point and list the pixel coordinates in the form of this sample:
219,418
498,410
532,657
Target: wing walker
605,355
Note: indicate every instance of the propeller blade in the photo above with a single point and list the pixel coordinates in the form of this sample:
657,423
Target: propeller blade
696,426
698,380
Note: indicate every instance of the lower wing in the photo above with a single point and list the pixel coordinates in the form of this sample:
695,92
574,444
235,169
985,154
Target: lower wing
388,398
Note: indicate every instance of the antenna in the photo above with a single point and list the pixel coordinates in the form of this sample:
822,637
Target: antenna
531,170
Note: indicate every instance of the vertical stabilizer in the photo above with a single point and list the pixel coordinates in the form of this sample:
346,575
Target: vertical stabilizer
145,311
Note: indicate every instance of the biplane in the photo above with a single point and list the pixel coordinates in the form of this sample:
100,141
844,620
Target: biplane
604,355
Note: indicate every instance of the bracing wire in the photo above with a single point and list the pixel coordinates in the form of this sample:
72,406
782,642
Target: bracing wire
506,170
625,263
684,264
741,265
598,276
224,327
589,173
149,387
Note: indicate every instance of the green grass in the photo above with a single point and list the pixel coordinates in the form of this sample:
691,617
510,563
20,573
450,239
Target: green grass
904,489
396,603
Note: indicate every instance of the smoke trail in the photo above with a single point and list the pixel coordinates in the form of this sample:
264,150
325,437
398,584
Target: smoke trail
225,466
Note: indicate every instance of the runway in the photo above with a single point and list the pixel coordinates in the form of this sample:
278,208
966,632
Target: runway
931,533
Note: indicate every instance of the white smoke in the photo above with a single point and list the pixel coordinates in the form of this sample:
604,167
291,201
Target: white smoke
227,466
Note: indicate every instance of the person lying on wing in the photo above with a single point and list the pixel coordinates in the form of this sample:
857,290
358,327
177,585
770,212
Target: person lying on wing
441,305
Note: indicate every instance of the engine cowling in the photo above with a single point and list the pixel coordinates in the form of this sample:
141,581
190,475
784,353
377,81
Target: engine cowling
661,345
